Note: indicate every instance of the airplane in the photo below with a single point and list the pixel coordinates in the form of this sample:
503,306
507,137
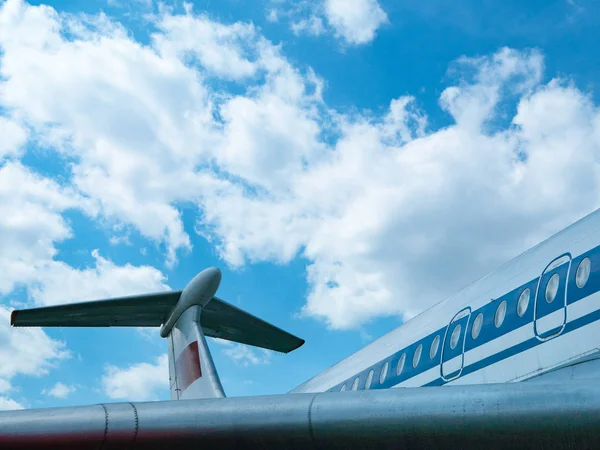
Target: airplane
511,361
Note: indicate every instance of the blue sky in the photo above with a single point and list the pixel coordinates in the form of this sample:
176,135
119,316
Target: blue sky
346,164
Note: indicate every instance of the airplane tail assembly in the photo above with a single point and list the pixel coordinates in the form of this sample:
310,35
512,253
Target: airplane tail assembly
185,318
189,355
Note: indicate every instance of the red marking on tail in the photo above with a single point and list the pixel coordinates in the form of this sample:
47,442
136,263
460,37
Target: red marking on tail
188,366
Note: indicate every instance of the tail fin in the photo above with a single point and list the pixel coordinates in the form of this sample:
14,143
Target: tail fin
188,351
186,317
192,373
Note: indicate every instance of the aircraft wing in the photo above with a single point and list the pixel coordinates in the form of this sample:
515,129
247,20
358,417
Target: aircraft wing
501,416
148,310
219,319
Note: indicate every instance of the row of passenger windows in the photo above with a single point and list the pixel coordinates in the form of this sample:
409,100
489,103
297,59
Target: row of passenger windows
581,278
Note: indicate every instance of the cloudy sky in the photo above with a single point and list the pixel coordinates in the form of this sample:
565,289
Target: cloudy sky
346,163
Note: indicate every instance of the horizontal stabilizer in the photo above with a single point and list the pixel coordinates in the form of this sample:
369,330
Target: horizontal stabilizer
218,319
136,311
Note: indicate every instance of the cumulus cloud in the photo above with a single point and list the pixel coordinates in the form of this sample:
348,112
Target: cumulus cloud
133,99
5,385
391,214
25,351
7,404
31,223
138,382
60,283
395,217
312,26
59,390
356,21
146,130
222,50
243,355
273,16
12,137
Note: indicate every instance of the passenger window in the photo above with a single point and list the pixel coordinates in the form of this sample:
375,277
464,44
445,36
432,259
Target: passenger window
476,328
500,314
434,347
417,355
583,272
383,373
369,379
523,302
552,288
400,365
455,336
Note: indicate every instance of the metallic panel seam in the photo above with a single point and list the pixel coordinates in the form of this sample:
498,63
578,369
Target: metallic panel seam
137,425
310,425
105,425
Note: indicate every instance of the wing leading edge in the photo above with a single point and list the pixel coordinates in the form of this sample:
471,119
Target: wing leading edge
219,319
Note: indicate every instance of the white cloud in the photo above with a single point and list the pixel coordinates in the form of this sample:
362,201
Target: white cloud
356,21
393,216
505,73
312,26
273,16
243,355
137,156
5,386
59,390
12,137
120,240
150,334
223,50
31,223
32,206
137,382
256,131
60,283
134,100
26,351
7,404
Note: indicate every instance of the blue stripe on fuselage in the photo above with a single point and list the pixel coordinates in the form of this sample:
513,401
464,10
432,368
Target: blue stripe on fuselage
489,332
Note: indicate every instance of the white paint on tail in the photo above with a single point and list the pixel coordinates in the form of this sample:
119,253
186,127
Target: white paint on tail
192,372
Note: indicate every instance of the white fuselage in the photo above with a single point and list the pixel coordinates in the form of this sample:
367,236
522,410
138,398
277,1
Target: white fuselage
560,323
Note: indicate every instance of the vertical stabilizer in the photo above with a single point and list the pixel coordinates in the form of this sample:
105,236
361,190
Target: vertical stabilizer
192,373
